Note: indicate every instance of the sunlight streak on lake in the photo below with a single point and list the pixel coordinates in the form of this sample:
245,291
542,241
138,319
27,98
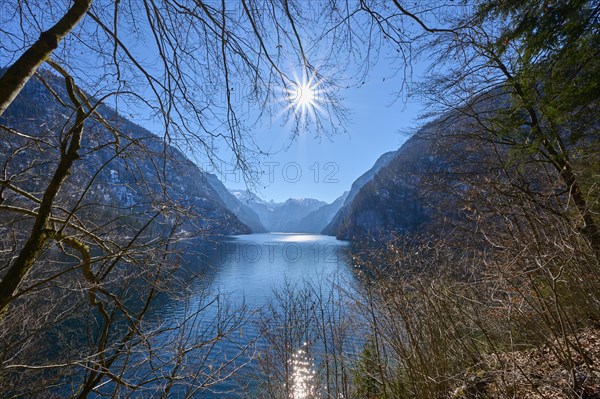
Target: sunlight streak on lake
300,237
303,376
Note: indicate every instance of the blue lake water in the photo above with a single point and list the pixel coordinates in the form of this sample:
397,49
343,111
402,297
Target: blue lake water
251,266
245,270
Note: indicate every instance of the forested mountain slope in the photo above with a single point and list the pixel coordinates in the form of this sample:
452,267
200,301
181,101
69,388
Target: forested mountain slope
140,176
334,224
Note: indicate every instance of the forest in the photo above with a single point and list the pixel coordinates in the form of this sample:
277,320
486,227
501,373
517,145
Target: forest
473,250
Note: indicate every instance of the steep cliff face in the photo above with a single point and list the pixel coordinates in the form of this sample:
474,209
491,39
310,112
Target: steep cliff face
334,224
393,201
389,203
243,212
136,177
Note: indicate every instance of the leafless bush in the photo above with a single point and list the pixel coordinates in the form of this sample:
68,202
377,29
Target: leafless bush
308,339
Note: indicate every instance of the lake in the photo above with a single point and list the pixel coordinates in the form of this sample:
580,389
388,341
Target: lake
250,272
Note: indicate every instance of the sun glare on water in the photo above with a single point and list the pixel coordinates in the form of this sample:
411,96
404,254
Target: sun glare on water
303,376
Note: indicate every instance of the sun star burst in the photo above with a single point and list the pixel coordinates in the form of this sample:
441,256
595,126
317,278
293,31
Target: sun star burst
304,96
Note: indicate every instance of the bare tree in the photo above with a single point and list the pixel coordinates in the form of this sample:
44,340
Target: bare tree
307,342
123,256
525,107
519,92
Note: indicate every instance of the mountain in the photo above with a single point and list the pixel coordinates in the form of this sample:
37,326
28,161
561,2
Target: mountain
280,216
264,210
426,186
359,183
243,212
289,214
389,202
402,195
316,221
131,179
334,223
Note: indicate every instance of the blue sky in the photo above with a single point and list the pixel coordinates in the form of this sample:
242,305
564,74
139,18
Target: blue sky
307,167
323,168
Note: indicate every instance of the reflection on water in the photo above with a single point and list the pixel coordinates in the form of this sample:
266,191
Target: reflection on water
246,271
303,376
252,266
285,237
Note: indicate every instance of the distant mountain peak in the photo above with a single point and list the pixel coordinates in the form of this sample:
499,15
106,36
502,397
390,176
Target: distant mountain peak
287,216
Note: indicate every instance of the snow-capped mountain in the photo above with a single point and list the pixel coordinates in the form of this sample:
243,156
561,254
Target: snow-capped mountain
316,221
280,216
236,205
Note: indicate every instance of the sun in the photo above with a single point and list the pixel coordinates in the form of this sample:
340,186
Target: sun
303,95
305,98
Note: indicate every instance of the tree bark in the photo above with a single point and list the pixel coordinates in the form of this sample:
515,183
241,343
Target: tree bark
17,75
561,163
590,229
42,231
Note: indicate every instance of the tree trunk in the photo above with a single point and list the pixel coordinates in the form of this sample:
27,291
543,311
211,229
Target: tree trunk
41,232
590,229
17,75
